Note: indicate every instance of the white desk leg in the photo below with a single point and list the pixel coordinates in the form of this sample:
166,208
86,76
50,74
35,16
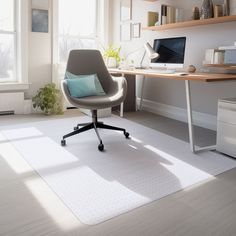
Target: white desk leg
190,116
142,91
193,147
122,109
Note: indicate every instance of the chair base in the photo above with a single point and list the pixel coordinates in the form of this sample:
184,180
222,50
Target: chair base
93,125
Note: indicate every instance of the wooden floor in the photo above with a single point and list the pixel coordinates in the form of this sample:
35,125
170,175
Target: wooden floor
28,207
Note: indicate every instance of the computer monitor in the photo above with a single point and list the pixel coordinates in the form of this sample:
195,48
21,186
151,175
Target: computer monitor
171,51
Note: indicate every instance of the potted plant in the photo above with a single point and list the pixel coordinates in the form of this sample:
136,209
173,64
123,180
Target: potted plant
112,56
48,99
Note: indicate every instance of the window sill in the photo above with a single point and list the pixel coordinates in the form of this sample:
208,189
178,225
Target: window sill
5,87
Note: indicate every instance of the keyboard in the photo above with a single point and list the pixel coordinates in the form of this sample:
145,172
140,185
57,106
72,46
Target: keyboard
158,71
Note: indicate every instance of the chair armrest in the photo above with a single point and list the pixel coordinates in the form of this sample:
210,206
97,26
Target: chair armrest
65,91
120,82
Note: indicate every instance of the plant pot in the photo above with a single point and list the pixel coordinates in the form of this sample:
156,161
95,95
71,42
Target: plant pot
111,62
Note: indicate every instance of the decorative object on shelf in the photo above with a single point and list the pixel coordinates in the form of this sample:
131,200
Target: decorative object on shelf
125,10
136,30
125,32
153,17
49,100
196,13
226,8
179,14
111,56
218,10
191,68
206,9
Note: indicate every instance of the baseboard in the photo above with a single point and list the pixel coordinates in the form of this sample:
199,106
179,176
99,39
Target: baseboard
200,119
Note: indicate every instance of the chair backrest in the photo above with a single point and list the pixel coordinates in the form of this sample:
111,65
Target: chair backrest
84,62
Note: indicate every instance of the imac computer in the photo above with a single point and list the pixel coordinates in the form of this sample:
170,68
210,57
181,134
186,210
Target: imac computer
171,53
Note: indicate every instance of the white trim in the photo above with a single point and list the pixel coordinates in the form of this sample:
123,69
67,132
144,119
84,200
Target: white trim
54,33
14,86
200,119
21,51
103,22
23,42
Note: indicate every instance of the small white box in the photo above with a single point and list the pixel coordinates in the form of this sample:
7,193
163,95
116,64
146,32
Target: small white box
209,56
219,57
230,56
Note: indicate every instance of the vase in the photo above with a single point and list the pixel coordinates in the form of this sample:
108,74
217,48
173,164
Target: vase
226,7
206,9
111,62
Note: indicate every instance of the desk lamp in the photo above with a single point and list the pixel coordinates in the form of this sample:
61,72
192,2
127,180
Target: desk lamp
150,52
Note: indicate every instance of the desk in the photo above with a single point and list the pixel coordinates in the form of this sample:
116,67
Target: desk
196,77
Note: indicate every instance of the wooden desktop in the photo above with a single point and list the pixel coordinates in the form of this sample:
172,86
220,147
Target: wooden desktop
202,77
187,77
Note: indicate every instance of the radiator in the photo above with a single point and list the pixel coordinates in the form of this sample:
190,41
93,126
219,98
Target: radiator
12,103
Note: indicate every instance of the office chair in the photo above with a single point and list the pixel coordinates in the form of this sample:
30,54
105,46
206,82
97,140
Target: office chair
87,62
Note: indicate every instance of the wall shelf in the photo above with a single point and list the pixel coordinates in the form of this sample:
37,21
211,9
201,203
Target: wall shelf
192,23
221,66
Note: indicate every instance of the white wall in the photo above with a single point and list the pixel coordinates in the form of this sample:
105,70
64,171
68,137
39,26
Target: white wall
198,39
40,52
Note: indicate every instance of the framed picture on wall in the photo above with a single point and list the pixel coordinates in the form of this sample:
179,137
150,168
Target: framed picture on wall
136,30
40,20
125,32
125,10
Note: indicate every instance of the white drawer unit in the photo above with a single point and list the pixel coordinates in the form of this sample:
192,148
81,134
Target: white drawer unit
226,127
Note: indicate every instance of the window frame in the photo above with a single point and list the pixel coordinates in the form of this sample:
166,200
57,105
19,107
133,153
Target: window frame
20,34
102,33
93,36
12,32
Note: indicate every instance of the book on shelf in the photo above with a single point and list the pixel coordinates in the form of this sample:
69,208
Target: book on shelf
167,14
170,14
163,14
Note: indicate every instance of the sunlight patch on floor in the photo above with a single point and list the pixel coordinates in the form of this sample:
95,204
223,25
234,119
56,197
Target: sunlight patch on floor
188,173
13,158
136,140
55,208
132,146
22,133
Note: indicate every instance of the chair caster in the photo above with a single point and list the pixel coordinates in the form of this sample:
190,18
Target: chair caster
101,147
63,142
76,128
126,134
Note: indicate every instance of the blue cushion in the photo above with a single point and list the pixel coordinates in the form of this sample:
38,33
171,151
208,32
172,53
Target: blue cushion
83,85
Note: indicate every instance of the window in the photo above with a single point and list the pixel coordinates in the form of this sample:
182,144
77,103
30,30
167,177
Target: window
77,26
7,41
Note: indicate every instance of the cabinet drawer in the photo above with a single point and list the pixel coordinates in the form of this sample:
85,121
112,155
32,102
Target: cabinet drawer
227,112
226,138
